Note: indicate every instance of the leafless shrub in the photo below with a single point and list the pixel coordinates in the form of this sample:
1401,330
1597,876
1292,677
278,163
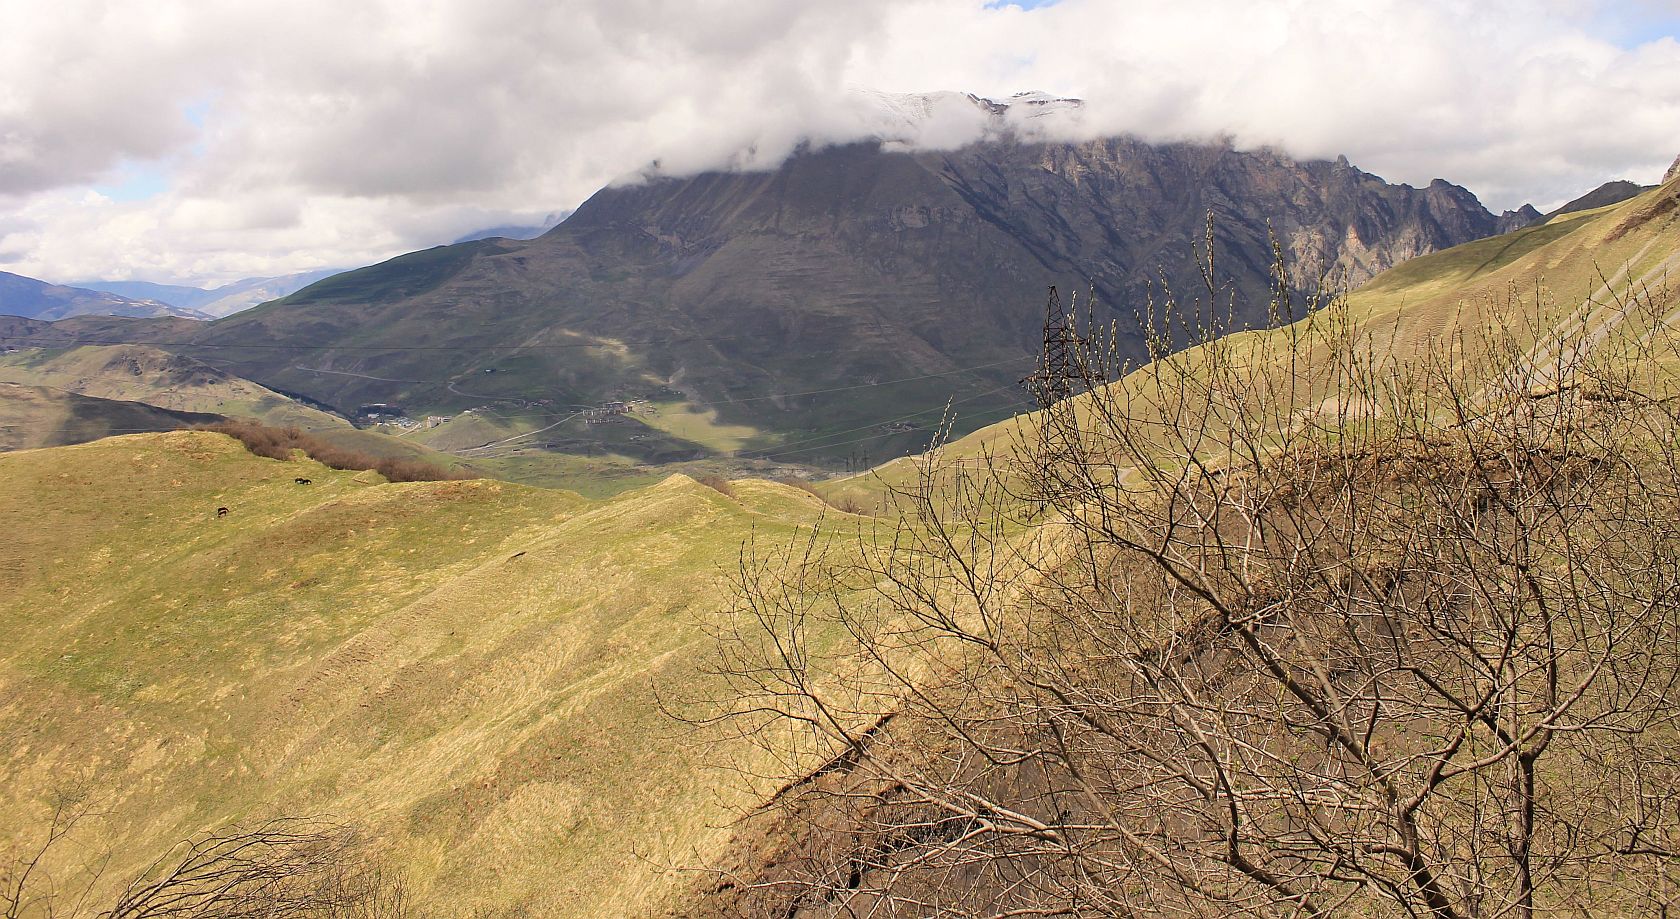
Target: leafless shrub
1282,625
278,443
27,887
718,484
844,503
278,868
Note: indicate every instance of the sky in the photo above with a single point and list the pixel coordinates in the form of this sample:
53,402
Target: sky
201,141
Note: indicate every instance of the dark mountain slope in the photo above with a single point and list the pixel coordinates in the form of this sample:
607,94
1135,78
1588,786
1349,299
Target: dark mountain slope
844,267
1603,196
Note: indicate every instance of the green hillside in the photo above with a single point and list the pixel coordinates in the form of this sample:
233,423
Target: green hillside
469,671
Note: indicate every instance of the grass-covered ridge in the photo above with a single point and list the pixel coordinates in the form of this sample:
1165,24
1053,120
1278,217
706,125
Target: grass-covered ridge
468,670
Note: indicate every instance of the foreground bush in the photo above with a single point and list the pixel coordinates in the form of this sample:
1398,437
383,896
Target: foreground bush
1284,625
278,443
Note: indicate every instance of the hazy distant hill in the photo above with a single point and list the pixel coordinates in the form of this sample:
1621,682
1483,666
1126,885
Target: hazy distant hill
215,301
842,268
30,298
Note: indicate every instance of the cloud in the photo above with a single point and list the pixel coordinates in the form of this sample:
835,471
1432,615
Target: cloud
312,133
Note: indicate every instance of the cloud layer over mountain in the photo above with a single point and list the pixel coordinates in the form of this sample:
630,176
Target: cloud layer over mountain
213,139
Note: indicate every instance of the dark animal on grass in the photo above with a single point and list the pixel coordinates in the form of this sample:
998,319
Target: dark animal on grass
302,481
221,512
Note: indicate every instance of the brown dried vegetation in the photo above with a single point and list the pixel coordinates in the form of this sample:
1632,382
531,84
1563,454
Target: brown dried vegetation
287,867
1280,626
278,443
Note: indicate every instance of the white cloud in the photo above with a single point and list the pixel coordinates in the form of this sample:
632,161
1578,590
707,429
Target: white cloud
340,133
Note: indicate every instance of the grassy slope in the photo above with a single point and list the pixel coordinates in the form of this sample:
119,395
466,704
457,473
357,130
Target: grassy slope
466,668
35,416
139,373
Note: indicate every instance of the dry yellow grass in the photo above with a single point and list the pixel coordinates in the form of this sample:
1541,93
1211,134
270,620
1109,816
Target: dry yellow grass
469,670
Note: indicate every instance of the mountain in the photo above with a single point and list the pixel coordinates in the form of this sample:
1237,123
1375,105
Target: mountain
29,298
215,301
1673,170
172,294
890,280
1527,215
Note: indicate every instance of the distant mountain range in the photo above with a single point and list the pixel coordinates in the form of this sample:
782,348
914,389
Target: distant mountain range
35,299
888,280
214,302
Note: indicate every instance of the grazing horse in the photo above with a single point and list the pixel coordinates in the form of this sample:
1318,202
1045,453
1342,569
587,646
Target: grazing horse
302,481
221,512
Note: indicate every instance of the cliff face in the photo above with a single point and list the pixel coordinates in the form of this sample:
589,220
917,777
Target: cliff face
842,267
1121,212
1673,171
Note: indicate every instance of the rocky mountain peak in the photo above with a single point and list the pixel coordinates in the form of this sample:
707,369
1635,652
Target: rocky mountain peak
1519,218
1673,170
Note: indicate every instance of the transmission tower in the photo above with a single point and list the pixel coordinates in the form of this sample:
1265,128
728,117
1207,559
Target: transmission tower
1053,381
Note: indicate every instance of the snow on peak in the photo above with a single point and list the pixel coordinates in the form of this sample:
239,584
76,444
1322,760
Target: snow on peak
945,120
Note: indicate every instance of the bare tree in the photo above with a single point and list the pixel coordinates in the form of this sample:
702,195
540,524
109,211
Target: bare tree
277,868
1285,624
284,867
27,887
